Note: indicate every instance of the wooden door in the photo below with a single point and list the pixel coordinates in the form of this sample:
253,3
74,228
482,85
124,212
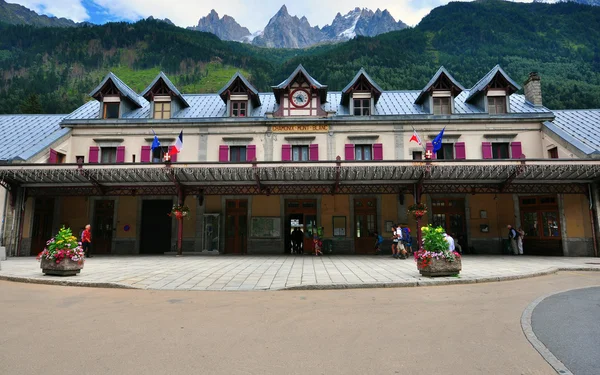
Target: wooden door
449,213
304,213
102,228
236,226
156,226
42,224
541,222
365,225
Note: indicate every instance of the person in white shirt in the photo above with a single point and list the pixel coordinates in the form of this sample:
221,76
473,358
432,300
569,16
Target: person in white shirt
401,249
450,241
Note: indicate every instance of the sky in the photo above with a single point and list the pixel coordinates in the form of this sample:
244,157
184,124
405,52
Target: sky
253,14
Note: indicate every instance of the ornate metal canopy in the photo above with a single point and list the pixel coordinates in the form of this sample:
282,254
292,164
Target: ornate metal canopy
510,176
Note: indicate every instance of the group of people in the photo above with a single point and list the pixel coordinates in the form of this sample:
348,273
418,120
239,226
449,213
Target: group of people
401,242
515,236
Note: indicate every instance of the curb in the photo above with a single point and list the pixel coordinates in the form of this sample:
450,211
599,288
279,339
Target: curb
558,366
85,284
399,284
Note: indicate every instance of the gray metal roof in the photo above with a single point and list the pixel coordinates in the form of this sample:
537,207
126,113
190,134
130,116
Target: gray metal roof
433,80
581,128
23,136
479,86
122,87
169,84
391,103
299,69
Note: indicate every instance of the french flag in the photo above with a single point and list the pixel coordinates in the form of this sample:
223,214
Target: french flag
178,146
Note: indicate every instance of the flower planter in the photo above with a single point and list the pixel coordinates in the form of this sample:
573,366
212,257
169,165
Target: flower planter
439,267
65,267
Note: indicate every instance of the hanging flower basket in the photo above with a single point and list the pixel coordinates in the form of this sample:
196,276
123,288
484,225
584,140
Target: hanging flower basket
435,259
179,212
418,210
63,255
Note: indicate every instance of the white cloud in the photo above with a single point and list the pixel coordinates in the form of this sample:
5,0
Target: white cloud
254,14
71,9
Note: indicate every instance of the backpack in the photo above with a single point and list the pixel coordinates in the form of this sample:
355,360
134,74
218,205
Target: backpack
406,237
379,239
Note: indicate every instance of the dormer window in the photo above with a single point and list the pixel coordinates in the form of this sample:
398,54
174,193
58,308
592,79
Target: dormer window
442,105
362,107
111,108
162,107
238,108
496,104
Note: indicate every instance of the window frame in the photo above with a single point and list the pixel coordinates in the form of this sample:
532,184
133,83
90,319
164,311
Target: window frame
105,110
420,155
236,108
446,148
553,153
361,107
496,147
303,153
236,153
162,151
441,105
360,149
110,152
496,105
162,111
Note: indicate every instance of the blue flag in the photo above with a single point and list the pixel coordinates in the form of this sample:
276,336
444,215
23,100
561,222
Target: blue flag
437,142
155,142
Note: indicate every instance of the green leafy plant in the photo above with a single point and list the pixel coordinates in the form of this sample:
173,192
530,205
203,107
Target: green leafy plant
63,245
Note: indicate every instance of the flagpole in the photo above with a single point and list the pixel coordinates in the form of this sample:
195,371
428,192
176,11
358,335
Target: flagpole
422,145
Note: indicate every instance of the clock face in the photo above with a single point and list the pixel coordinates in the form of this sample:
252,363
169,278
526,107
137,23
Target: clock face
300,98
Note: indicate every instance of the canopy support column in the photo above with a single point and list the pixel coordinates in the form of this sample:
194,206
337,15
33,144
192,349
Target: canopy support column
180,201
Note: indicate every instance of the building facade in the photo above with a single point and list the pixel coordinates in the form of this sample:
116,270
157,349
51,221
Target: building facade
255,166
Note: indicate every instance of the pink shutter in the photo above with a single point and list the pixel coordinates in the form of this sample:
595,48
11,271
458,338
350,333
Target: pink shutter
145,154
94,154
173,155
286,152
121,154
251,153
314,152
378,151
223,153
429,147
486,150
53,157
516,150
459,151
349,152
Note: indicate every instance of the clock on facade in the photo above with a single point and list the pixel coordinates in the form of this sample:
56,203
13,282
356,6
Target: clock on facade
300,98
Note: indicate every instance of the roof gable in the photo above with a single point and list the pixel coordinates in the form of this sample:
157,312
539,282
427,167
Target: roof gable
362,74
252,91
125,90
441,74
313,83
488,78
162,78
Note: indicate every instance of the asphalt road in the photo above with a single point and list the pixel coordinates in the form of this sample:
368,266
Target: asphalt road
461,329
568,325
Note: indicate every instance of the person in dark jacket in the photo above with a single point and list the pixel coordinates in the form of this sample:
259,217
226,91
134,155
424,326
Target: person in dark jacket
513,236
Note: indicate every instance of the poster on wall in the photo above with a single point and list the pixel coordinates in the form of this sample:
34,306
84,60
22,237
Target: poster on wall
339,226
265,227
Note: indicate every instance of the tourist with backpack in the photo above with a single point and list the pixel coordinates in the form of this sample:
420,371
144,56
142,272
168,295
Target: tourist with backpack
407,239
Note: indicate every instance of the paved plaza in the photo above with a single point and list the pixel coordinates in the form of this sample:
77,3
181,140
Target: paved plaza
283,272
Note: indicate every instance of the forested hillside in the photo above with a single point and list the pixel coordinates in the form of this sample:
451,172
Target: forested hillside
53,69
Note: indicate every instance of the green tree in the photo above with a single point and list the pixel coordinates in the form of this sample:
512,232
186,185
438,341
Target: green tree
31,105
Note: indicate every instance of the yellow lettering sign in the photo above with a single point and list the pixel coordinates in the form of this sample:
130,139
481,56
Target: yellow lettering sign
300,128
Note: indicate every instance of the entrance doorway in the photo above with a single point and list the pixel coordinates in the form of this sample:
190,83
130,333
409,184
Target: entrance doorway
541,223
449,213
156,226
42,224
365,225
236,226
102,230
300,215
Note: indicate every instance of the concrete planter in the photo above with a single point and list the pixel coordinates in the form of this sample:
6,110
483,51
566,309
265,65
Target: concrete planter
440,267
66,267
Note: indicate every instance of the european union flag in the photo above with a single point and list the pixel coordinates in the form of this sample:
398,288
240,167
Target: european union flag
437,142
155,142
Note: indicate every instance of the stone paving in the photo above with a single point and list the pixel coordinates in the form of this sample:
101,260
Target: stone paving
283,272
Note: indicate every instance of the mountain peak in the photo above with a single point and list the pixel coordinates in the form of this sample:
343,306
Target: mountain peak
225,28
283,11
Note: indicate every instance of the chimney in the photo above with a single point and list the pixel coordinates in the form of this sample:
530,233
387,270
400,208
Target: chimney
533,89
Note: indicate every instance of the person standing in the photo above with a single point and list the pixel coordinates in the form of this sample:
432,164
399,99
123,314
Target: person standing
394,242
513,235
520,240
86,241
450,240
401,250
378,242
